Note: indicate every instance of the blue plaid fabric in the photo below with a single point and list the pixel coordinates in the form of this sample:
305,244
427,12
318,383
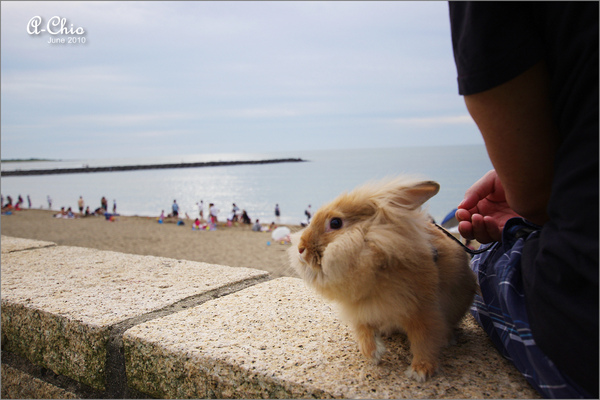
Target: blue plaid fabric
503,315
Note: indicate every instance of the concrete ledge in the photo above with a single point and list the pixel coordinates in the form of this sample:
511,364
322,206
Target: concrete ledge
60,305
10,244
67,347
276,339
111,325
17,384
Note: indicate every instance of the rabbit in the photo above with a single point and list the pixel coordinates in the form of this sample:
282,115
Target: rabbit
376,253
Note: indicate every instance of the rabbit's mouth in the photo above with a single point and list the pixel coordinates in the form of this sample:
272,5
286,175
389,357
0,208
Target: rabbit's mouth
313,260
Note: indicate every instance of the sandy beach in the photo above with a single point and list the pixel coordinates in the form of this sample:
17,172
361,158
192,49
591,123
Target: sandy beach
236,246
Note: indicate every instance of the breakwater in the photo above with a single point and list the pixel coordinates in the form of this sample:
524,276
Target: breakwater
87,169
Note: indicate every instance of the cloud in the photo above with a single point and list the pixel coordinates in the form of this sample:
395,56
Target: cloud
121,120
273,112
231,73
149,134
72,85
432,121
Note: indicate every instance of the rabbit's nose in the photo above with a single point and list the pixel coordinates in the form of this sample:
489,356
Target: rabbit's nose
301,249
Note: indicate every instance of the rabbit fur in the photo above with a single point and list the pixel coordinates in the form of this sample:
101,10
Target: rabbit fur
376,253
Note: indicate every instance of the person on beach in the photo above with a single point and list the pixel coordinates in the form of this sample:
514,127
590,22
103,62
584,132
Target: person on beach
49,199
529,76
196,224
80,204
234,212
8,207
175,208
28,201
256,227
114,206
213,211
104,204
246,218
308,213
200,206
277,212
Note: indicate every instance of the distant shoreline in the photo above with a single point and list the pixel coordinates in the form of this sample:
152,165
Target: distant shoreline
16,160
87,169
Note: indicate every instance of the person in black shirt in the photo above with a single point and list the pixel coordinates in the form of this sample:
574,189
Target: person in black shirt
528,72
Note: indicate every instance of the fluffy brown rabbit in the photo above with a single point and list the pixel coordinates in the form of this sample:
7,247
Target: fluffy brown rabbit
377,254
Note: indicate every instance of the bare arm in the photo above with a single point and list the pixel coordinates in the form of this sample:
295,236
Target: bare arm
515,120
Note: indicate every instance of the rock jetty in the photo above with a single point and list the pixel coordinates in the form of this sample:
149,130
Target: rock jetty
86,169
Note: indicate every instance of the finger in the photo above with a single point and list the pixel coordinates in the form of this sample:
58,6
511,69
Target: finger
465,228
480,230
494,231
462,215
480,190
469,201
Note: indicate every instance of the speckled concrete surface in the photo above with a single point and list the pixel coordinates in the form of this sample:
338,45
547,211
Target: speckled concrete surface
59,304
10,244
65,346
277,339
102,287
19,385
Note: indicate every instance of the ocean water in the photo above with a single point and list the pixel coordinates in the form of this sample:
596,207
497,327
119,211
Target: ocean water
254,188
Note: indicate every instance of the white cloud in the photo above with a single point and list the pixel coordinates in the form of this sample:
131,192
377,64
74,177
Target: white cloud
434,120
251,70
121,120
71,83
152,134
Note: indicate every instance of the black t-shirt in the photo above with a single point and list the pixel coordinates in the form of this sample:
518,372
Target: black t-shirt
493,43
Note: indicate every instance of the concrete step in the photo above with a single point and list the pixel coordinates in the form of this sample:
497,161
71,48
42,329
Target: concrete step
65,308
103,324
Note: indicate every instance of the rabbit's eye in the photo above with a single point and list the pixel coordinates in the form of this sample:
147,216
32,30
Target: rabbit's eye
335,223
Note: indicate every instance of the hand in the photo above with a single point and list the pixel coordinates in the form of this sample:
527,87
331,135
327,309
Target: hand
484,211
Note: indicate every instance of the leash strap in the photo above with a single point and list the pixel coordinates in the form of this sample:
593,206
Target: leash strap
468,250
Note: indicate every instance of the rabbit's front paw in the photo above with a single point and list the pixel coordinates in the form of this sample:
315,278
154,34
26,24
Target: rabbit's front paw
370,343
421,371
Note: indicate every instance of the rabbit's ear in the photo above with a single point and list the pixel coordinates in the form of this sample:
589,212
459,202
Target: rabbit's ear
415,196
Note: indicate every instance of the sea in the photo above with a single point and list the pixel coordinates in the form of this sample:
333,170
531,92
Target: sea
256,188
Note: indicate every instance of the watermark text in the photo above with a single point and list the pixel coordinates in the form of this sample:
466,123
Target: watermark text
59,29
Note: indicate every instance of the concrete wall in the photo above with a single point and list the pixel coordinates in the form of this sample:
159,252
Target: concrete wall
83,323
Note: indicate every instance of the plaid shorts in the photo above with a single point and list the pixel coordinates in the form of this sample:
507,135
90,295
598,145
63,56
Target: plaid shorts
503,315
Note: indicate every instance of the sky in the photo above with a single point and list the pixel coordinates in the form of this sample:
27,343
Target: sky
137,79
